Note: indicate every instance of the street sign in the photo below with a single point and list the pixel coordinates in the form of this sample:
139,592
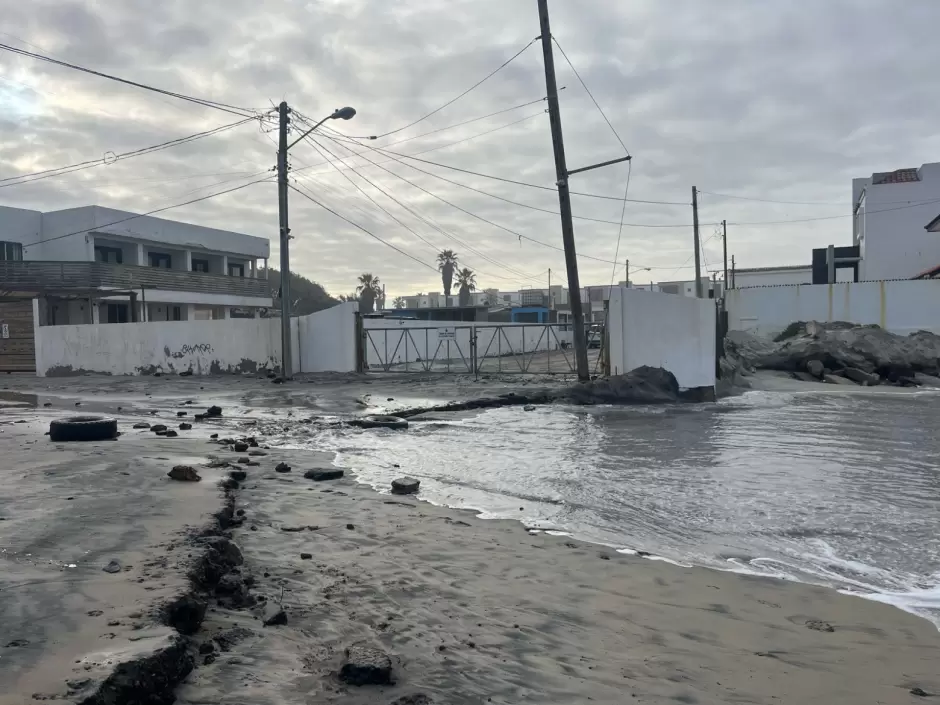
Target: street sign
447,334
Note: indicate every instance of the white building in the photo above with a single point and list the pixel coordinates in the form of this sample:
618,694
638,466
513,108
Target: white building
773,276
99,265
892,211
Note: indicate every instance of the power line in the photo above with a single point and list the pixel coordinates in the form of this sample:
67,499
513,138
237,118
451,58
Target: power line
235,110
141,215
367,232
834,217
593,99
517,273
768,200
58,171
453,100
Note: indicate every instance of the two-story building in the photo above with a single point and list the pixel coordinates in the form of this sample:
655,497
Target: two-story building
100,265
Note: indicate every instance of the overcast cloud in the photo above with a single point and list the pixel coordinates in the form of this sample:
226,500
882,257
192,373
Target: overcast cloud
781,101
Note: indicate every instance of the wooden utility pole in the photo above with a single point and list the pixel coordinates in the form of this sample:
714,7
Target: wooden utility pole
732,272
564,197
698,249
627,266
724,244
284,242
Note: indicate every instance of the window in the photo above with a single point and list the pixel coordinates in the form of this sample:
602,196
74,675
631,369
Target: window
201,265
117,313
112,255
11,251
177,313
236,270
158,259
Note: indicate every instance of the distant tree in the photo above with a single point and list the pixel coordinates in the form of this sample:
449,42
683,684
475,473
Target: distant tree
468,282
306,296
348,297
399,302
447,265
369,289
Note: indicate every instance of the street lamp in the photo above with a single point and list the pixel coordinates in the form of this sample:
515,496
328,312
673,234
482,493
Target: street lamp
282,147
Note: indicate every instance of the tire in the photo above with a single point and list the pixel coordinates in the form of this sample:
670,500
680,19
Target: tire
83,428
393,422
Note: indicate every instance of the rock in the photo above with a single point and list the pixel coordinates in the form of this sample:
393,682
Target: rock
184,473
819,626
644,385
232,587
803,376
213,411
230,637
919,692
306,556
228,483
180,414
864,378
415,699
252,443
366,665
157,428
926,380
839,379
240,447
206,648
244,460
906,382
186,373
529,407
274,616
320,475
351,527
185,426
257,453
238,475
171,434
282,467
141,425
214,436
185,614
405,485
112,567
815,368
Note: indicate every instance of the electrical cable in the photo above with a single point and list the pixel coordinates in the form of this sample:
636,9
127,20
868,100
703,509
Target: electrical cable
68,169
518,274
834,217
367,232
767,200
141,215
453,100
225,107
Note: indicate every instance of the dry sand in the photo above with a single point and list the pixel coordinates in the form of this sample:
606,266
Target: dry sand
476,611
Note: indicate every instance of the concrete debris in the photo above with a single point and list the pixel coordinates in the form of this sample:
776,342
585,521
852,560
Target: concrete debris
240,447
282,467
184,473
323,474
405,485
366,665
274,616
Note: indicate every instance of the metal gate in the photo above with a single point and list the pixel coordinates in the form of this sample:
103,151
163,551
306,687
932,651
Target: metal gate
17,337
509,348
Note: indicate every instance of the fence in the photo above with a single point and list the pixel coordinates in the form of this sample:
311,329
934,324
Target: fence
502,348
898,306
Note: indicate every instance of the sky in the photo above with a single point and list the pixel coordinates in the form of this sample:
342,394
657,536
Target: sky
769,109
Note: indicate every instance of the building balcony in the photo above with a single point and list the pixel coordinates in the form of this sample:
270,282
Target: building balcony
42,278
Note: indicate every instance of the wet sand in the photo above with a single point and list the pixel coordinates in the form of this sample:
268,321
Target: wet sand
475,611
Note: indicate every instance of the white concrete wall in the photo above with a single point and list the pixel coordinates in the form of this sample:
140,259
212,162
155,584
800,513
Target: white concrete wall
676,333
20,225
325,341
388,343
744,278
898,306
205,347
896,245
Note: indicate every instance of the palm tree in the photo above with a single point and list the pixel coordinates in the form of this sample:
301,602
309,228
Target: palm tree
369,290
447,264
399,302
468,282
348,297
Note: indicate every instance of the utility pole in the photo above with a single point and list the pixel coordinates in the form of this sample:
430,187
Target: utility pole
724,244
283,113
627,267
698,254
732,272
549,288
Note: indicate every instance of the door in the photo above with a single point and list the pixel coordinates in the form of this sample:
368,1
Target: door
17,337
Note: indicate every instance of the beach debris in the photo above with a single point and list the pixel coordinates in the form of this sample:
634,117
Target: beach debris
819,626
213,411
185,426
351,527
274,616
185,614
244,460
919,692
214,436
180,414
366,665
158,427
238,475
306,556
257,453
170,434
323,474
83,428
282,467
112,567
184,473
529,407
414,699
405,485
240,447
142,425
395,423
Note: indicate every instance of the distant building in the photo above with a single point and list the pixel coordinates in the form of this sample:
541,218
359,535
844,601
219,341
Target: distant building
772,276
896,222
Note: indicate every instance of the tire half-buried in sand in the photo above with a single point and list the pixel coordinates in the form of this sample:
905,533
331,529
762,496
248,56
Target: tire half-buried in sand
83,428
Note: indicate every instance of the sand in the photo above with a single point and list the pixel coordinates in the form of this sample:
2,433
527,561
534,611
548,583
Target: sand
476,611
469,610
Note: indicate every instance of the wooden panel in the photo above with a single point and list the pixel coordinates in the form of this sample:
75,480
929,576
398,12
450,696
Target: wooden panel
18,351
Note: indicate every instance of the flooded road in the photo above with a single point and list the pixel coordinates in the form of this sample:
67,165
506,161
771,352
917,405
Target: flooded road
841,490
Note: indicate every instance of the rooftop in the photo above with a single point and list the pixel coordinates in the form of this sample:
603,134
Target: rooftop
899,176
